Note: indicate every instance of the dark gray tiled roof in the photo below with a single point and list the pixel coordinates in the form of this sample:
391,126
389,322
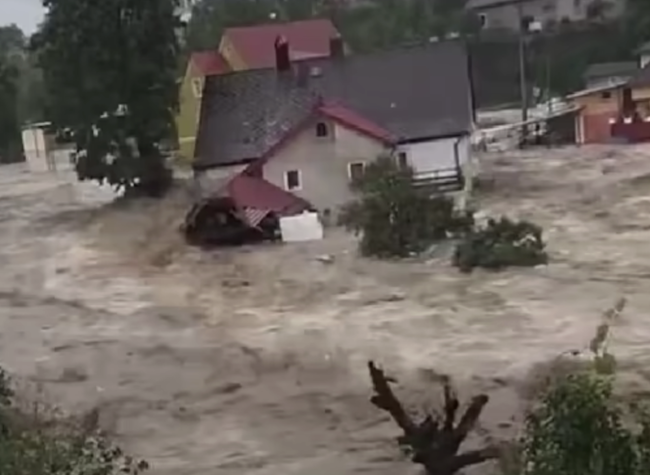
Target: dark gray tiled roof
415,92
603,70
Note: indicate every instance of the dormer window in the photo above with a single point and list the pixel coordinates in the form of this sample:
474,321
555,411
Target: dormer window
321,129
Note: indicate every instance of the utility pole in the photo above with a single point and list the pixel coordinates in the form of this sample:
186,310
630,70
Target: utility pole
522,70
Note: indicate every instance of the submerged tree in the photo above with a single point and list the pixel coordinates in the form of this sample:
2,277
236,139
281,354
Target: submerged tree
434,443
396,218
109,68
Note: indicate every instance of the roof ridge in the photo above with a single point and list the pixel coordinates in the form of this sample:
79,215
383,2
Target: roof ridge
283,23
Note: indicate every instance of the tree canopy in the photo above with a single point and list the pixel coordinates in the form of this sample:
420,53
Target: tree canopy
11,47
110,76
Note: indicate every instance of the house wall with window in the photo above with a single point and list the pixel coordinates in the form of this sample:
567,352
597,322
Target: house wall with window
319,167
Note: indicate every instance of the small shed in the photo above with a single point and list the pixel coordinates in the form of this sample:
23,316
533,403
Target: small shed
42,153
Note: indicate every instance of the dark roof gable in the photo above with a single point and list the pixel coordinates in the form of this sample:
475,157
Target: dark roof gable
415,92
604,70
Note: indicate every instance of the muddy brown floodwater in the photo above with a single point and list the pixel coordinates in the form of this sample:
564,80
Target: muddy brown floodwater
252,360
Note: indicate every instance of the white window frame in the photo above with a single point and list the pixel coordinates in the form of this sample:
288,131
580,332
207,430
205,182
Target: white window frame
197,87
360,162
286,180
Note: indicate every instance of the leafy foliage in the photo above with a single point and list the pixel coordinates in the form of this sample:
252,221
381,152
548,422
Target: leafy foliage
579,427
501,244
31,443
366,27
9,87
394,218
110,72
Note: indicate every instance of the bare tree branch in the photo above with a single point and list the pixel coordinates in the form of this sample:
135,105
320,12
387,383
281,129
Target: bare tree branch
433,445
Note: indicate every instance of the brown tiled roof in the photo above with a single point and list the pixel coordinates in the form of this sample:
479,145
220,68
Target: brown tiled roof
209,62
255,43
418,92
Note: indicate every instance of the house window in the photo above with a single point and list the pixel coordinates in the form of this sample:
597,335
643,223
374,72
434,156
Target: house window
355,170
197,87
483,20
321,129
402,160
606,94
292,180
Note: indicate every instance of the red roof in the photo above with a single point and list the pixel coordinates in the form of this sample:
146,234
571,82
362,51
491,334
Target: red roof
210,63
338,113
306,37
248,192
355,121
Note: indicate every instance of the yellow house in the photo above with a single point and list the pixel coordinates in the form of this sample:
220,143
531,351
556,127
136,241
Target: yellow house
241,48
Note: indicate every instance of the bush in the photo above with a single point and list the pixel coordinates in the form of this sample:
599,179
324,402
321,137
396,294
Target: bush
501,244
579,428
395,218
36,444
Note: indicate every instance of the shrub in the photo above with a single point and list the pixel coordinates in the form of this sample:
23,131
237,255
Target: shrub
579,428
395,218
501,244
36,444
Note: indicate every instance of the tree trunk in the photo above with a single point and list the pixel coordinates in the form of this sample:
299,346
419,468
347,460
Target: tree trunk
434,443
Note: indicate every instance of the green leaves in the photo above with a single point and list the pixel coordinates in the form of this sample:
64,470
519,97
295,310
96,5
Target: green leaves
579,427
102,57
501,244
577,430
395,218
38,444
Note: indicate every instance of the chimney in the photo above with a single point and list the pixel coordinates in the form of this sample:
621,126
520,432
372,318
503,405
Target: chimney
337,50
282,61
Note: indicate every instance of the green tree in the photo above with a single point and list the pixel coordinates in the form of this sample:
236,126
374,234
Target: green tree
110,70
580,427
394,217
10,141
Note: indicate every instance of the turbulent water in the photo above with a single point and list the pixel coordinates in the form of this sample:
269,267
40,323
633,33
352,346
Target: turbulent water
252,360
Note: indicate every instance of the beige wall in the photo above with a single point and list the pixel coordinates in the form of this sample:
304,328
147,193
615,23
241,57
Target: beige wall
596,104
323,164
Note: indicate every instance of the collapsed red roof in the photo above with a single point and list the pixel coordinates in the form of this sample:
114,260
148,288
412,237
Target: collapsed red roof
306,38
252,193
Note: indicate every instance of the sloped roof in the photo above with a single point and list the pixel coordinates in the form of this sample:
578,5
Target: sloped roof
255,43
209,62
421,91
602,70
251,192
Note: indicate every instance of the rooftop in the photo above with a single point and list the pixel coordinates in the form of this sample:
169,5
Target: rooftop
405,92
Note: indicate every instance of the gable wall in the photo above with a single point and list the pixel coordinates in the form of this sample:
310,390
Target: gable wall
322,163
